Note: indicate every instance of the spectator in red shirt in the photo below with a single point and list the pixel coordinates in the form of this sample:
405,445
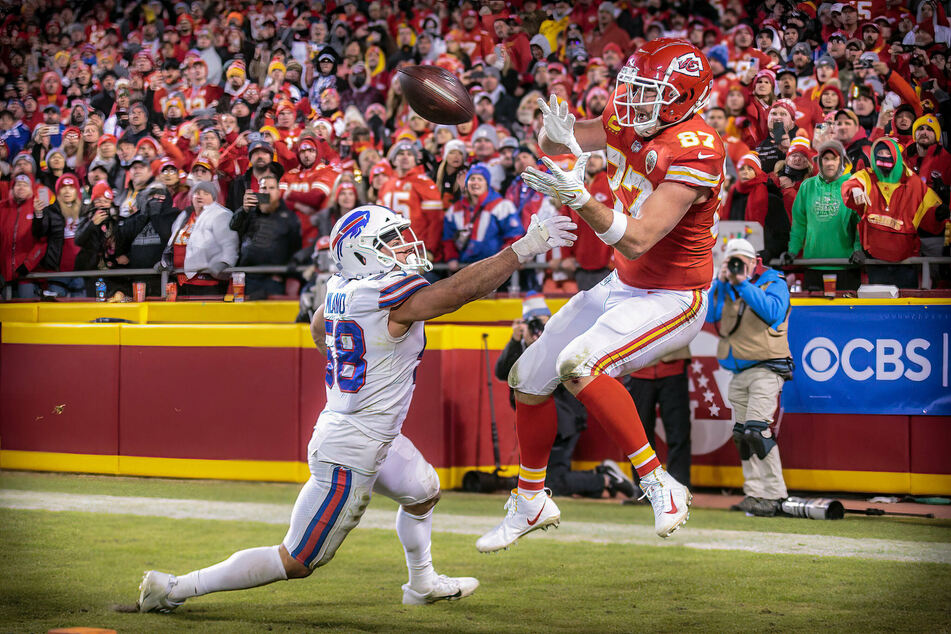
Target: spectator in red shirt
21,251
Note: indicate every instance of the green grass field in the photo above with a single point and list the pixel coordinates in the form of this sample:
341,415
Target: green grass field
67,568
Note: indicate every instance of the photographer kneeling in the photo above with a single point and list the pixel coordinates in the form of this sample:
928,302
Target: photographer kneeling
751,304
572,417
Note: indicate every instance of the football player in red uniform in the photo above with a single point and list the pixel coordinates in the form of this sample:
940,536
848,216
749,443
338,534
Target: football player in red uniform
665,169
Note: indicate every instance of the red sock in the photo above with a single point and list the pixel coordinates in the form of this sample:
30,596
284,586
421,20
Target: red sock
536,426
608,402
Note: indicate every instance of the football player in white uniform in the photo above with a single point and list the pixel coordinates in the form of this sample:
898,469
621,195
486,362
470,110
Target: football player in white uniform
371,326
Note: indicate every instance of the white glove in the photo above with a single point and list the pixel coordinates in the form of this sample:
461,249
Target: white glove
567,188
860,197
559,124
543,235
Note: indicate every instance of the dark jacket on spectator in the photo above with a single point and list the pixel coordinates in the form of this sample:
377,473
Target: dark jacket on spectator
266,238
98,244
151,226
51,227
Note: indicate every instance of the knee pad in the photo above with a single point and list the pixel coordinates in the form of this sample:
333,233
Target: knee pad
759,437
740,441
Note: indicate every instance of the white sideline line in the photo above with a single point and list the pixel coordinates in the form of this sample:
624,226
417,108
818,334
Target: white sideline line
703,539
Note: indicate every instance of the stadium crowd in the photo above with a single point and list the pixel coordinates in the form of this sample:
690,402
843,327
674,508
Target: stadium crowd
225,133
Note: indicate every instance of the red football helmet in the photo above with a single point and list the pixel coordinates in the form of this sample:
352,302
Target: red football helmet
669,76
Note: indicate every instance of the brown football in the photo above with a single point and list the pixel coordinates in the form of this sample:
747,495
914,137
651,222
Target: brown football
436,94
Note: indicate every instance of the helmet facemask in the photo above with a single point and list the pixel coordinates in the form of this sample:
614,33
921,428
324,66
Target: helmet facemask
392,238
642,93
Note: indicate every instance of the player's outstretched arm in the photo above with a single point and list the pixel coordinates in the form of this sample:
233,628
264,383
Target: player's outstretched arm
482,277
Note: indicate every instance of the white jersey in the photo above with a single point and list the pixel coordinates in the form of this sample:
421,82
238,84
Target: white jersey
370,374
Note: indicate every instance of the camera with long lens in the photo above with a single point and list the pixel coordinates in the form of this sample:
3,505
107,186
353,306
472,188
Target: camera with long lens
736,265
535,326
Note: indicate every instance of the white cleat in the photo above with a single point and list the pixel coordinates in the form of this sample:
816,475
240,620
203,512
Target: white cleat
670,499
444,589
525,514
153,592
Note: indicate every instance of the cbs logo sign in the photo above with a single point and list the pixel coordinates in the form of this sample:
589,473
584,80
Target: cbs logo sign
883,359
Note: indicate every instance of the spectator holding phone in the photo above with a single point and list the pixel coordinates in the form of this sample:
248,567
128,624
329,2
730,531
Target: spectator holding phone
755,199
269,234
21,250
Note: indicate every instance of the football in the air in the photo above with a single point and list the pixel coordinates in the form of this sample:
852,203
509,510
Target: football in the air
436,94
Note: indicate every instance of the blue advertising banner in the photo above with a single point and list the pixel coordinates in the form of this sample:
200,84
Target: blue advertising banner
877,359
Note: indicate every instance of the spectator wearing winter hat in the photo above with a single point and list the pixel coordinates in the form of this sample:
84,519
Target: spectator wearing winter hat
13,132
756,111
753,199
148,229
322,73
97,236
360,92
781,124
21,251
54,166
799,165
822,225
202,243
830,99
851,135
261,162
744,57
306,188
932,162
485,145
58,221
893,203
236,81
377,177
926,156
171,176
608,31
898,123
723,75
515,43
480,224
450,175
412,194
269,234
801,60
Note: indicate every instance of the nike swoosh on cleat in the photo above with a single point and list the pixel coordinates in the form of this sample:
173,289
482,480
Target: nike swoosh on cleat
701,155
673,506
532,522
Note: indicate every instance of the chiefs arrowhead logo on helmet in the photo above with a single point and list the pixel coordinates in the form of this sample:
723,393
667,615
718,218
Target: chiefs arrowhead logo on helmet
688,64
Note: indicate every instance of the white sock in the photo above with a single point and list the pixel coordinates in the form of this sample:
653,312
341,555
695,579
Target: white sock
415,533
244,569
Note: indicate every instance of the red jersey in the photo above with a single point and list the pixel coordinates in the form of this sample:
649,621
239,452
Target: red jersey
202,97
690,153
307,191
416,197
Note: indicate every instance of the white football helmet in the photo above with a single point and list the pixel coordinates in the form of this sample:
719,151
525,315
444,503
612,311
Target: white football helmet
362,243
